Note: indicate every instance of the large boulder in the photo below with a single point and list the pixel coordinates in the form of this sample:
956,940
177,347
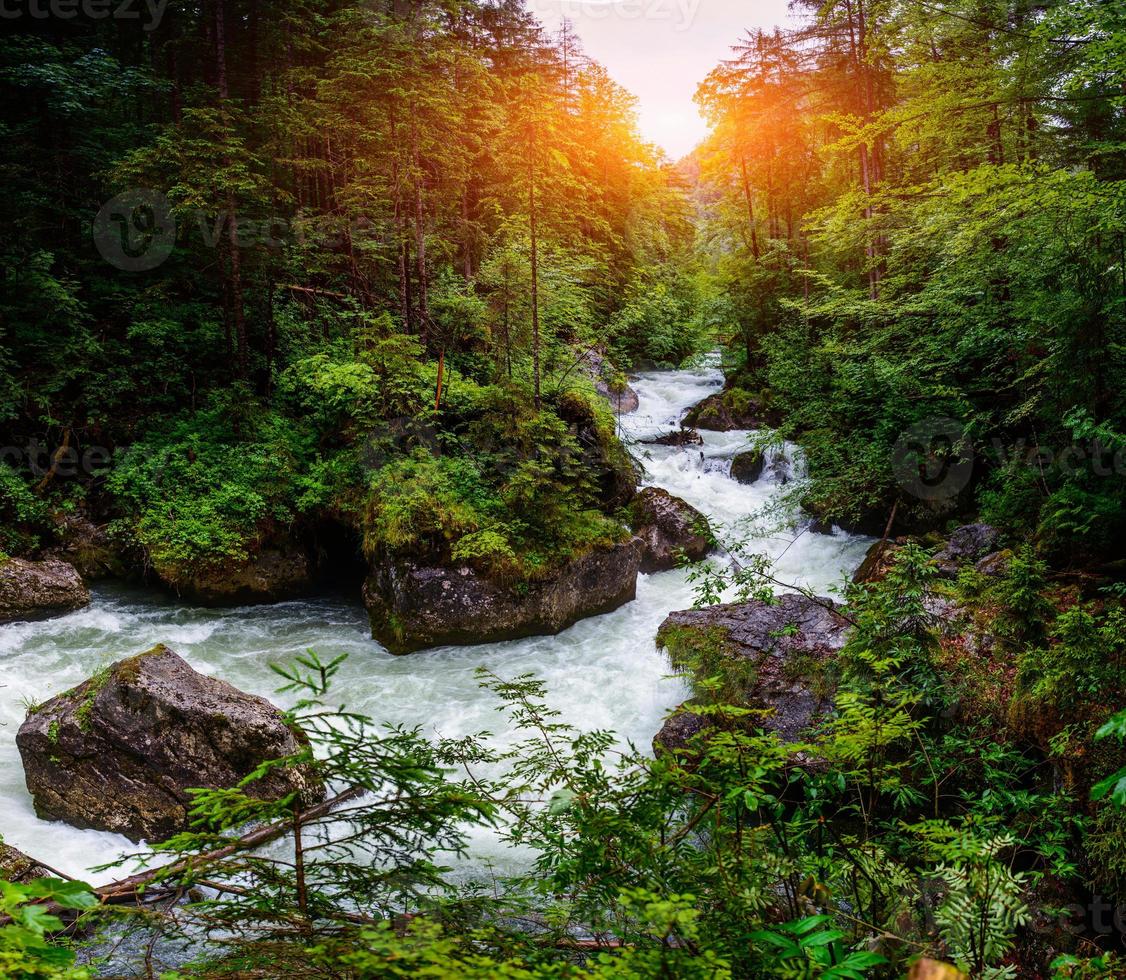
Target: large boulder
773,656
747,467
37,589
120,751
732,408
276,572
668,526
413,606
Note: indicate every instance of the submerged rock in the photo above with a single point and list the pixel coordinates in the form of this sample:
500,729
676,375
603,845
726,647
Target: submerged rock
667,525
37,589
274,573
747,467
413,606
120,751
772,656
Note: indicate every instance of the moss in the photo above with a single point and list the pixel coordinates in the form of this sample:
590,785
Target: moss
53,733
718,674
88,692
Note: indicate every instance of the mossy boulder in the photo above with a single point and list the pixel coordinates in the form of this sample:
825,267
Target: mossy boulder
776,657
413,606
273,573
668,526
732,408
602,453
121,751
878,561
38,589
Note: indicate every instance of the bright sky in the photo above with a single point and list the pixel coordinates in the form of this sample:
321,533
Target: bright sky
661,50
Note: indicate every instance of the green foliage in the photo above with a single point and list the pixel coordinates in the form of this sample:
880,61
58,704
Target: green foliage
23,516
1083,660
658,320
982,904
27,950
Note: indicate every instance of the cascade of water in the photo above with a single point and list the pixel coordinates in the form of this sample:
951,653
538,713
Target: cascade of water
604,672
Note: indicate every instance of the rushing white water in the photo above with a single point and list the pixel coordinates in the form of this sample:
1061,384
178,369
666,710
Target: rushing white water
604,672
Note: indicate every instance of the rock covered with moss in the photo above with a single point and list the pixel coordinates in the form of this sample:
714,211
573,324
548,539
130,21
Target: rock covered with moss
37,589
732,408
668,526
273,573
413,605
769,656
120,751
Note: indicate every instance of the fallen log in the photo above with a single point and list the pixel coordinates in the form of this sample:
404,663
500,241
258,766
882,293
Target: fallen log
132,887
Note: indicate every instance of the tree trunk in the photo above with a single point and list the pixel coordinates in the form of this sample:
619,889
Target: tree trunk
750,208
535,284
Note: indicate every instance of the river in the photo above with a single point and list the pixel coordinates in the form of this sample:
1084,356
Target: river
604,672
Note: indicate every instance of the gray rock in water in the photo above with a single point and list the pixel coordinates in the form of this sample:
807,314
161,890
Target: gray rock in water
413,606
779,651
37,589
747,467
668,525
120,751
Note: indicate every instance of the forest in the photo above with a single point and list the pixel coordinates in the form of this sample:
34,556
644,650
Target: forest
325,312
